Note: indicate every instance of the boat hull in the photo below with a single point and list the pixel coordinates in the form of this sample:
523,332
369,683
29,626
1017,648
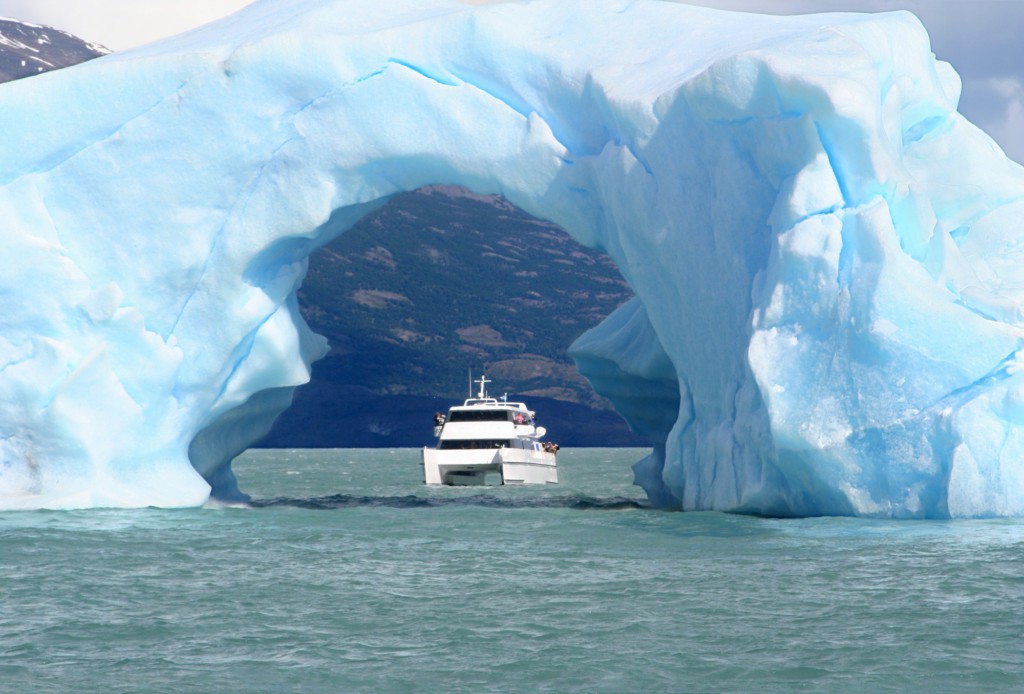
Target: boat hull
471,467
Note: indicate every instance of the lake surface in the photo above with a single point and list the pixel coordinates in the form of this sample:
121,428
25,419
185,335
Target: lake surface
348,575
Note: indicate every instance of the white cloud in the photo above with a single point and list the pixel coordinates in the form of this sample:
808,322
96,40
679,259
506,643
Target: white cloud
1005,122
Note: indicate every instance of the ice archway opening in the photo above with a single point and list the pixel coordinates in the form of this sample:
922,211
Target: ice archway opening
438,282
826,320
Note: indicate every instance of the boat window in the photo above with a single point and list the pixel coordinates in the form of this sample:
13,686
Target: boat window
462,444
480,416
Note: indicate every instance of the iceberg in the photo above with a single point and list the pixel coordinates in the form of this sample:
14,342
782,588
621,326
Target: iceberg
825,254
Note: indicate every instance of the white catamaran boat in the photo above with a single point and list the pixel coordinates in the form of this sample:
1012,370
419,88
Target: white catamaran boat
486,435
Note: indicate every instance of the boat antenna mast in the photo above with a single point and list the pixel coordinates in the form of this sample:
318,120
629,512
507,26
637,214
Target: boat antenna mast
483,389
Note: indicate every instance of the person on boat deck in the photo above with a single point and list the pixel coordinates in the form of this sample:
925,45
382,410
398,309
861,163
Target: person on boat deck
520,419
438,419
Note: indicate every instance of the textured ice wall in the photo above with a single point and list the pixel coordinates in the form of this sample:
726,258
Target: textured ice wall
824,251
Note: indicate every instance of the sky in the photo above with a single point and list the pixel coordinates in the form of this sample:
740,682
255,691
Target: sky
979,37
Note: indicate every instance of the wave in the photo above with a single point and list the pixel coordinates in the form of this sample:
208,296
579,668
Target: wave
576,503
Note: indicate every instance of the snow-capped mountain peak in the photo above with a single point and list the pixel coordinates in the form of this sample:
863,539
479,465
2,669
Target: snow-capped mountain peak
29,49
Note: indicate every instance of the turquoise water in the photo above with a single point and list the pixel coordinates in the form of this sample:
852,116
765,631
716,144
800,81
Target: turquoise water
348,575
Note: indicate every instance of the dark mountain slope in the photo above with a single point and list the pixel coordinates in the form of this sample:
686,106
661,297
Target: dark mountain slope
27,49
434,284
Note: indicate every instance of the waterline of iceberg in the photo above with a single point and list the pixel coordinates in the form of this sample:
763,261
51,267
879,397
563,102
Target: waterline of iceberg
827,317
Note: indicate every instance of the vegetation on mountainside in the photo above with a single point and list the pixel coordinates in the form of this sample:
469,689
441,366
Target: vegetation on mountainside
440,281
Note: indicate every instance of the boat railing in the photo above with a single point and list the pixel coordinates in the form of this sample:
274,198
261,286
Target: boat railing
491,402
481,401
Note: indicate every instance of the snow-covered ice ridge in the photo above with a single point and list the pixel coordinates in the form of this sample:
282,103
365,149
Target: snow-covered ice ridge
826,255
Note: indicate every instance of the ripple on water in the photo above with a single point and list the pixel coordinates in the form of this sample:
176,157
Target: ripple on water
379,584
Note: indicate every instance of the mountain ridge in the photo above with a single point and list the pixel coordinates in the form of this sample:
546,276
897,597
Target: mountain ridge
470,283
31,49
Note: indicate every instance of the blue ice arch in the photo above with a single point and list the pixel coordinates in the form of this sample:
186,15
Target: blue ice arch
826,255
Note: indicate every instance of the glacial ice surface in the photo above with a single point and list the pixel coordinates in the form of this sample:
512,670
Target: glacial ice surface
827,257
